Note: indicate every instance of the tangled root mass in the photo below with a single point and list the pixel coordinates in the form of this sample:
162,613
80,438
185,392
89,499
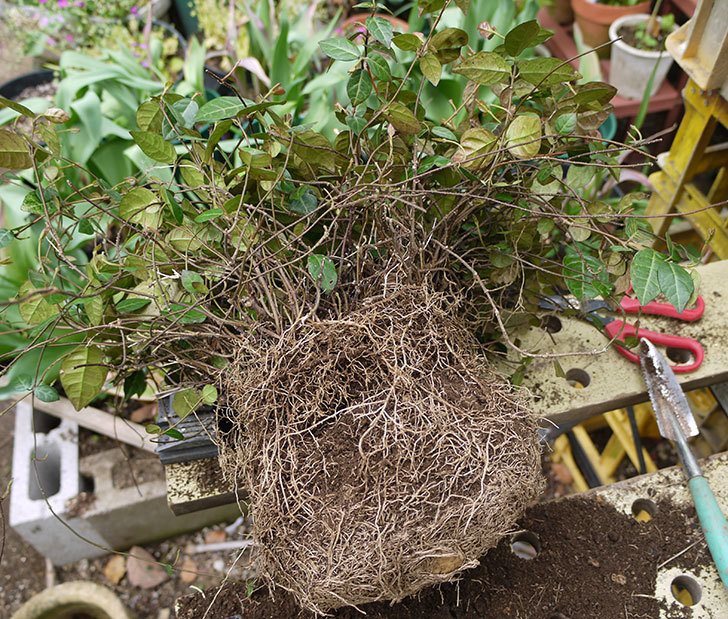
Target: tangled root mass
381,455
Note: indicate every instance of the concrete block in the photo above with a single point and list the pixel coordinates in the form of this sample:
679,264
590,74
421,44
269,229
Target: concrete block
109,517
45,478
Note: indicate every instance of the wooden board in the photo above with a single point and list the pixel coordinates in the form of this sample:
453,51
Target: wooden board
613,381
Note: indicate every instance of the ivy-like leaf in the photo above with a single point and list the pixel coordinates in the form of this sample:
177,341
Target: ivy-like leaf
547,71
221,128
586,277
149,117
379,67
6,237
35,309
193,282
14,105
431,68
132,305
135,208
218,109
340,49
522,37
484,68
186,402
675,283
135,384
304,200
209,214
402,119
359,87
14,153
323,271
566,123
154,146
645,275
209,395
407,42
524,136
381,29
83,375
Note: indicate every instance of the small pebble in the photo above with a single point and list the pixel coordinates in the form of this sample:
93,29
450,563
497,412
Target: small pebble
218,565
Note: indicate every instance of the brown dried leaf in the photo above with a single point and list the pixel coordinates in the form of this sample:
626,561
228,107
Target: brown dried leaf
143,569
115,569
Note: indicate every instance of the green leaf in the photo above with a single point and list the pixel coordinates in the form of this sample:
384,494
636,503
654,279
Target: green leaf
154,146
6,237
566,123
49,133
14,152
547,71
585,276
463,5
645,275
193,282
185,315
429,6
446,44
379,67
209,395
173,206
36,309
359,87
186,401
21,109
381,29
356,123
303,200
174,433
444,133
524,136
475,144
46,393
152,428
484,68
135,384
522,37
402,119
208,215
675,283
94,307
149,116
340,49
407,42
220,108
431,68
220,130
132,305
323,271
135,208
82,375
579,176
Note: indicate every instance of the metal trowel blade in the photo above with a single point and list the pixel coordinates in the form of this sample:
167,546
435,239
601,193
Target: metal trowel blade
668,400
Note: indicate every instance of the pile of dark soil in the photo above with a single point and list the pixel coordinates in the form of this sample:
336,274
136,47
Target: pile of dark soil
592,561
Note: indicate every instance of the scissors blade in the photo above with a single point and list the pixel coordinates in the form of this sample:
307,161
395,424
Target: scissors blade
668,400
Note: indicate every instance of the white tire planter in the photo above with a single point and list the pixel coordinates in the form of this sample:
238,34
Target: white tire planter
631,68
73,599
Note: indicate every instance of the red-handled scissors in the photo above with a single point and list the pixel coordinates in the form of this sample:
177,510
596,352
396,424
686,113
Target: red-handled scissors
619,329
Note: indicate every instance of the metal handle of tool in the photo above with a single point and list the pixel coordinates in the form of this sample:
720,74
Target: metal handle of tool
620,330
713,523
632,306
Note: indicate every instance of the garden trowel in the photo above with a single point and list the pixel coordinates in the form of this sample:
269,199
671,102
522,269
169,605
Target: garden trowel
676,423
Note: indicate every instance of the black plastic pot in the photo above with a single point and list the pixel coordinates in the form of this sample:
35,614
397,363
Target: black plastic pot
187,21
12,88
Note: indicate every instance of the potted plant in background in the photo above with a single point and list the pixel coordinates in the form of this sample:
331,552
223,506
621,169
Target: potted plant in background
639,58
594,18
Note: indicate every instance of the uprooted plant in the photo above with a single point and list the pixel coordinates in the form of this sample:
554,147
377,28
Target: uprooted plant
339,295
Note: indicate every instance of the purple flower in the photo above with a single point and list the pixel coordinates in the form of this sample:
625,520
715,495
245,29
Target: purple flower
43,21
142,45
145,64
51,42
79,3
42,1
135,11
62,4
69,38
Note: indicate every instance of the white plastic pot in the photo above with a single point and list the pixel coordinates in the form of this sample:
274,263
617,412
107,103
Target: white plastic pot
631,68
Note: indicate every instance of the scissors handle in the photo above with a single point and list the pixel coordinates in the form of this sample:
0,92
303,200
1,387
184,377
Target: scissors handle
632,306
619,330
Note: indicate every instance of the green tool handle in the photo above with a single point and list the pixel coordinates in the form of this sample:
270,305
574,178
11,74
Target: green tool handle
713,522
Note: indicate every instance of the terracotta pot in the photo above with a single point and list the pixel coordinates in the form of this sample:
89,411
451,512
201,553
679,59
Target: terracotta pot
560,11
594,20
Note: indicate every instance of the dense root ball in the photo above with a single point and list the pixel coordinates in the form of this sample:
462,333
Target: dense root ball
380,454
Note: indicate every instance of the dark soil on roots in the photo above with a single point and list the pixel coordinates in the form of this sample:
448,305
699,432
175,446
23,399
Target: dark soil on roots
591,561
